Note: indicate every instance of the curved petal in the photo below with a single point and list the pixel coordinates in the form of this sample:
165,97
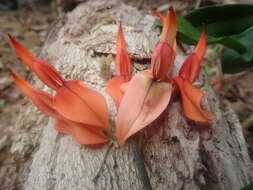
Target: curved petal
46,72
191,100
162,61
81,104
200,49
113,88
62,126
124,87
26,56
85,135
123,62
143,101
41,99
161,16
172,27
190,69
169,26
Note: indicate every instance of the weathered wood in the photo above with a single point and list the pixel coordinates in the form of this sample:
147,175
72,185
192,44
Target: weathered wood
175,154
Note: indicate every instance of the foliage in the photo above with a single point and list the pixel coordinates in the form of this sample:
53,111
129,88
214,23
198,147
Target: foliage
230,25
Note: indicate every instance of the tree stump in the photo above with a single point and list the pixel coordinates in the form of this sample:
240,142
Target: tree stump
174,153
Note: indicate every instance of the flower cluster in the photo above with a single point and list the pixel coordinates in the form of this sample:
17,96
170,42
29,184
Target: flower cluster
140,99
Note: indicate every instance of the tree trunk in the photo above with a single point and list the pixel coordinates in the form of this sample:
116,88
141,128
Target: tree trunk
172,153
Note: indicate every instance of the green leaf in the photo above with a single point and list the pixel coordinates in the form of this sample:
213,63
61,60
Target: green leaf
248,187
190,35
232,61
230,25
222,20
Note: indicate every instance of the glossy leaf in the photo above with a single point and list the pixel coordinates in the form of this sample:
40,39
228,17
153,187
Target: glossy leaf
234,62
78,103
222,20
232,26
221,23
143,101
248,187
190,35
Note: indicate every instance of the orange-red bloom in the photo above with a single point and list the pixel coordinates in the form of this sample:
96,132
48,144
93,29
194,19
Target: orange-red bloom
147,92
140,99
78,110
192,64
123,69
46,72
144,100
191,96
164,54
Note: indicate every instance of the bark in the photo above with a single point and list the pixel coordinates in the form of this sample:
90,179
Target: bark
172,153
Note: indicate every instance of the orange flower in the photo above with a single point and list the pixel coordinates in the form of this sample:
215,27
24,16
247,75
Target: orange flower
191,67
123,69
140,99
78,110
148,93
144,100
164,53
46,72
191,96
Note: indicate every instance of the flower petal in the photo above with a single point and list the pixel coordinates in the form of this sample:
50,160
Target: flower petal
172,26
190,69
62,126
26,56
161,16
200,49
162,61
83,134
143,101
41,99
191,100
113,88
169,26
43,70
80,104
47,74
123,63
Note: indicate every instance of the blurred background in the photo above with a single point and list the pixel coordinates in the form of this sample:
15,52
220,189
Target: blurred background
29,21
